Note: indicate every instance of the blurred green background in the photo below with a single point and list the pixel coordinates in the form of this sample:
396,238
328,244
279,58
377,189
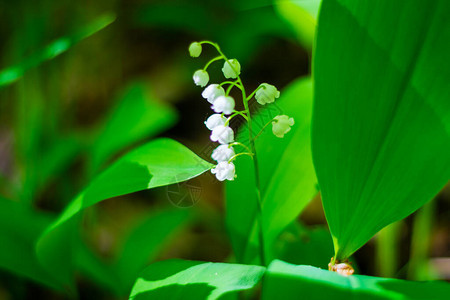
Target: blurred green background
82,82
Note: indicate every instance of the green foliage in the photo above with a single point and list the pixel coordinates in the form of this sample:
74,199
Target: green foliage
11,74
136,115
140,246
287,175
302,16
20,227
157,163
381,122
180,279
286,281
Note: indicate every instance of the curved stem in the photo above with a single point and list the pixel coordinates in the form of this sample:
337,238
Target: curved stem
240,154
264,127
241,113
240,144
262,255
211,61
254,92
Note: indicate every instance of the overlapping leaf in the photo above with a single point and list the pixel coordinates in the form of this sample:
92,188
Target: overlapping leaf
157,163
182,279
381,123
286,281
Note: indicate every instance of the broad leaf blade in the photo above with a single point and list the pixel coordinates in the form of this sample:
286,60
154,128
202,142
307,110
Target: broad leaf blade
286,171
381,123
181,279
301,16
157,163
286,281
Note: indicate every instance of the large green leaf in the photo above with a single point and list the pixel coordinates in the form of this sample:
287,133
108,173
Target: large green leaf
20,228
157,163
286,281
302,16
286,171
137,115
11,74
381,123
182,279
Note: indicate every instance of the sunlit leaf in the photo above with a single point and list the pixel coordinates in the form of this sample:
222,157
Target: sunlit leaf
286,170
302,16
286,281
381,124
182,279
157,163
11,74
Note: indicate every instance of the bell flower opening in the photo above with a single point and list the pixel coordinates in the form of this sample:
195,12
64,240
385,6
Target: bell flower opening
231,68
212,92
282,125
201,78
223,153
222,134
224,170
223,104
266,93
214,121
195,49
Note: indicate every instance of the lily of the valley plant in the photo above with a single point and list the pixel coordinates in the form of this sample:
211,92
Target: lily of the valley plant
224,105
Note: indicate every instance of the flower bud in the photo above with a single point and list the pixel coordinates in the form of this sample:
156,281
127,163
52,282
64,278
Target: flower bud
282,125
231,68
201,78
224,170
223,104
266,93
195,49
222,134
215,120
212,92
223,153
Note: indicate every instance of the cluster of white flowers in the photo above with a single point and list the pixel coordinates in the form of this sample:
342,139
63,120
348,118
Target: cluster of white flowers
224,105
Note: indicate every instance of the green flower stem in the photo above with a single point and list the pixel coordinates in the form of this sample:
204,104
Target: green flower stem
264,127
241,113
240,154
240,144
211,61
262,255
232,84
254,92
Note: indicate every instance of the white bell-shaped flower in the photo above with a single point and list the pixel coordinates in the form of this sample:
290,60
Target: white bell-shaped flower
231,68
201,78
212,92
266,93
214,121
282,125
195,49
223,104
222,134
223,153
224,170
